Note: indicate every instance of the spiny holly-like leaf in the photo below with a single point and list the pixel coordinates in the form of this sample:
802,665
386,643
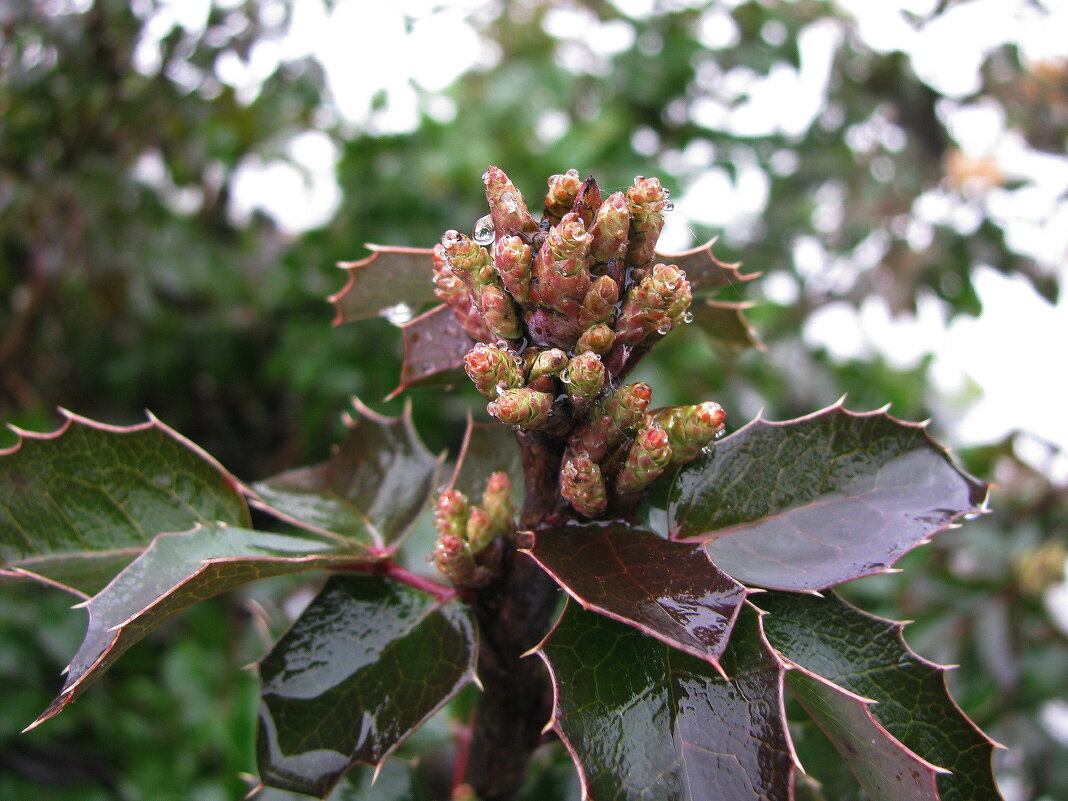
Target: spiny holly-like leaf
487,448
868,656
434,349
725,325
175,572
365,665
77,505
646,721
704,271
390,275
886,769
369,494
667,589
813,502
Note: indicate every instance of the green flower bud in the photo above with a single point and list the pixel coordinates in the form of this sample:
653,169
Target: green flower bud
582,484
648,456
463,253
596,339
654,306
500,313
613,419
497,501
479,532
546,362
512,259
450,286
507,206
524,408
451,511
599,304
453,557
609,230
584,377
560,266
646,201
492,369
690,428
561,195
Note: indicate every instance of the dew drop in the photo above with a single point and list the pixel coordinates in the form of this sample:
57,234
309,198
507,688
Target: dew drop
485,176
565,376
687,317
664,328
667,193
501,388
639,178
483,232
669,205
554,178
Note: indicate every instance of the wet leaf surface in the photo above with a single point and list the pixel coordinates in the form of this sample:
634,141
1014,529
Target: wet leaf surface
434,348
885,769
868,656
369,493
666,589
173,573
364,666
646,721
86,499
809,503
390,275
726,325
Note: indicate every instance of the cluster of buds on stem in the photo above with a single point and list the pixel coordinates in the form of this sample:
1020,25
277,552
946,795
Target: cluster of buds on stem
466,531
561,311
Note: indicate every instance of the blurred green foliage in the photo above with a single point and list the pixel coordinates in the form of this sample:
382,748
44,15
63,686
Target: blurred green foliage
127,284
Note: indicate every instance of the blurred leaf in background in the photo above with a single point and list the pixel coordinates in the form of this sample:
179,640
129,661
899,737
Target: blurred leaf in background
178,179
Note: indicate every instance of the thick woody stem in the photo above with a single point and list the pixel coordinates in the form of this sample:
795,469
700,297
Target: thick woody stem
514,614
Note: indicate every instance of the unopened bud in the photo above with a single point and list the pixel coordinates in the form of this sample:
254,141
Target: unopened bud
648,456
463,253
690,428
612,420
582,484
507,206
492,370
546,362
654,306
596,339
599,303
609,230
561,195
512,259
646,202
560,266
451,511
524,407
453,557
585,376
500,313
497,501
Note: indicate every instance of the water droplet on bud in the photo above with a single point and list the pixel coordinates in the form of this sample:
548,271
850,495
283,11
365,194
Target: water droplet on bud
501,388
483,232
664,328
687,317
639,178
485,176
669,205
565,376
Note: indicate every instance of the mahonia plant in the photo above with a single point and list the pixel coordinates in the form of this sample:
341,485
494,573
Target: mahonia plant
657,636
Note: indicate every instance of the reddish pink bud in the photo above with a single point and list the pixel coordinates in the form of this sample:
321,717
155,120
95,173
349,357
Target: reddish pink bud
596,339
690,428
648,456
524,408
582,485
512,259
507,206
492,369
561,195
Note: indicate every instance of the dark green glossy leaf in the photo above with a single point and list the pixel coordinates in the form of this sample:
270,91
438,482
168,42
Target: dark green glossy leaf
646,721
813,502
434,348
868,656
369,493
175,572
487,448
885,769
390,275
726,325
666,589
704,271
365,665
86,499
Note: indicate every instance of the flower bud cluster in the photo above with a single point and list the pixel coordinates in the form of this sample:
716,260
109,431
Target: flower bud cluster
561,311
466,531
